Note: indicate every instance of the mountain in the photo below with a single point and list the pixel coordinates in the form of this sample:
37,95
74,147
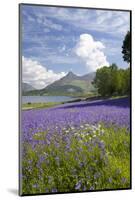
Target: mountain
88,77
27,87
71,84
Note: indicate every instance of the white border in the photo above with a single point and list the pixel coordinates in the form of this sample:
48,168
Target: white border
9,98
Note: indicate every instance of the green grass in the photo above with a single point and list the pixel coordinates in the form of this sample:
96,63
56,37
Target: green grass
98,158
118,97
28,106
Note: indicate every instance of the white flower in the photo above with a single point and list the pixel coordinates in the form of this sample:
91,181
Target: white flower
45,154
102,132
99,126
72,128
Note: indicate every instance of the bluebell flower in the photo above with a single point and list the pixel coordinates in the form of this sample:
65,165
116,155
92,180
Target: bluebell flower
54,190
78,185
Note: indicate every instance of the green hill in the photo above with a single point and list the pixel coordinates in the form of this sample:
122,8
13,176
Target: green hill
69,85
27,87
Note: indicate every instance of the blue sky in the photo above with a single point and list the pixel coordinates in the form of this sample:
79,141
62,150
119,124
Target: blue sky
57,40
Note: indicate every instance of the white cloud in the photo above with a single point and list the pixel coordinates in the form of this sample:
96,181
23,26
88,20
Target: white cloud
37,75
49,24
116,23
113,22
91,52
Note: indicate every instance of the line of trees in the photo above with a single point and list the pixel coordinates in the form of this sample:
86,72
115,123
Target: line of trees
113,81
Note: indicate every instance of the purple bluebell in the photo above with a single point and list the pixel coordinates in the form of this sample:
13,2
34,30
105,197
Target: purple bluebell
78,185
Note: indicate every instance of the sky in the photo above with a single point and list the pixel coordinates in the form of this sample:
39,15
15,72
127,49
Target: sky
57,40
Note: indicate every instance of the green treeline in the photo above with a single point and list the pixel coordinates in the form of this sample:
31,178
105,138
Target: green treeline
112,81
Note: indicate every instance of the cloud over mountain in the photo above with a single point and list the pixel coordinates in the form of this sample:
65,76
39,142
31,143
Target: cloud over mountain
37,75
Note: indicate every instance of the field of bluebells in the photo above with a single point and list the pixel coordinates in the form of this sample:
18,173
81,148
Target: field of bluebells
74,147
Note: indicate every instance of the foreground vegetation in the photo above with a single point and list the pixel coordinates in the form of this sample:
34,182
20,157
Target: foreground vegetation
89,158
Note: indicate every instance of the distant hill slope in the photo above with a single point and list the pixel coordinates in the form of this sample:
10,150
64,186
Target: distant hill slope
27,87
70,84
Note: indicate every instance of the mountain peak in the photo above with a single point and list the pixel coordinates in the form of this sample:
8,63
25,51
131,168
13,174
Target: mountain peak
71,74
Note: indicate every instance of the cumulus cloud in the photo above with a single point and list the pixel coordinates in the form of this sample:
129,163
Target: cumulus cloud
37,75
91,52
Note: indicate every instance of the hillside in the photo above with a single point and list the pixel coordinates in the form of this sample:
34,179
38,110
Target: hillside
71,84
27,87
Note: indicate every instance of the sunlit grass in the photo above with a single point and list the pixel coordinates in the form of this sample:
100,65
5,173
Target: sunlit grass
28,106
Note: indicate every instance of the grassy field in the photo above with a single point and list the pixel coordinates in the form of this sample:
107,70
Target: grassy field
28,106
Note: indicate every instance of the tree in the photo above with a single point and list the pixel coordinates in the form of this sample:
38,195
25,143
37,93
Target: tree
127,81
111,81
126,47
106,80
